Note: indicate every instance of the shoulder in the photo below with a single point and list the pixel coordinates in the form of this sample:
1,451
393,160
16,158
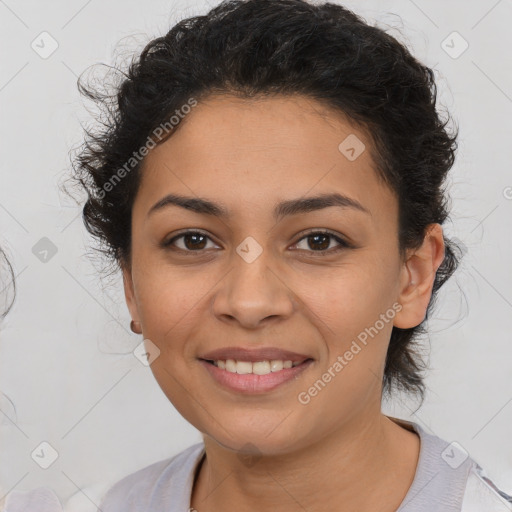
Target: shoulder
160,483
447,479
482,495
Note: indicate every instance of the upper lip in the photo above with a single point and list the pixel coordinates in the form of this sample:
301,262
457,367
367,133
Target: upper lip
253,355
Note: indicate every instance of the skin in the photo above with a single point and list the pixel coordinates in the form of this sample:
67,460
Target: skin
248,155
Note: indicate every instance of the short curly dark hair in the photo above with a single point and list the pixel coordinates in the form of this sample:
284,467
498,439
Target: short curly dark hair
251,48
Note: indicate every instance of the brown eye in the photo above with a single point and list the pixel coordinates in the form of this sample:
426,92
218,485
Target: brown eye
320,241
191,241
315,242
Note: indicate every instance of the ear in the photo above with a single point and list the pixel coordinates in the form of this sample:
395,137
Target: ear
129,293
417,278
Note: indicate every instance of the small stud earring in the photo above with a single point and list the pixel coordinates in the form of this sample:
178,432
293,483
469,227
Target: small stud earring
135,327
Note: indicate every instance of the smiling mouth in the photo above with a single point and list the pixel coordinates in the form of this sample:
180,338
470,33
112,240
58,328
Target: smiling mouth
254,377
257,367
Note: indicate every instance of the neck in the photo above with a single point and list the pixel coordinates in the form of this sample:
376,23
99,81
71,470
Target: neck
365,464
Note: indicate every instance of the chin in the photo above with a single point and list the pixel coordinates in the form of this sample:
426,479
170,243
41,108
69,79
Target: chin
255,442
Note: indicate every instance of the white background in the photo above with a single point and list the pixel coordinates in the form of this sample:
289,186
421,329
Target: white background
66,370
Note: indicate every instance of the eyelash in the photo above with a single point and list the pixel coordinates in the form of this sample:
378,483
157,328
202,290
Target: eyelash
343,243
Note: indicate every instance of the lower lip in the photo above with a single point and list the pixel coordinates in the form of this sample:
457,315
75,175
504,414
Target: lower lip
251,383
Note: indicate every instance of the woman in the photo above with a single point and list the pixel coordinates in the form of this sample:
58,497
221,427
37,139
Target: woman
270,183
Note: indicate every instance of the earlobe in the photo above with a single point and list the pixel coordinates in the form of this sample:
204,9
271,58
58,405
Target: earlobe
417,278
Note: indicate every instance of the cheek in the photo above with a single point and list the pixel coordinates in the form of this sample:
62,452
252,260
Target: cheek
355,317
171,301
172,309
350,297
181,389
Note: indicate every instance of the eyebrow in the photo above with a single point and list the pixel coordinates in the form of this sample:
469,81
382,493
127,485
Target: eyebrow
283,209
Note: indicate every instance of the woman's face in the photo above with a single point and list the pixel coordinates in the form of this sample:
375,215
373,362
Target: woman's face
261,276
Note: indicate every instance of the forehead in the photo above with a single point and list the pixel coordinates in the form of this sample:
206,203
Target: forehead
260,151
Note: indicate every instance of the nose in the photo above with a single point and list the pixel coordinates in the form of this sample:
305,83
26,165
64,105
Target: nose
253,293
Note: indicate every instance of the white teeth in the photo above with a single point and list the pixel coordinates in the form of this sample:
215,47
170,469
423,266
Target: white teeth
276,366
231,366
258,368
261,368
243,367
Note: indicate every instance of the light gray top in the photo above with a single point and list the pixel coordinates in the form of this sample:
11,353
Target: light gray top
446,480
